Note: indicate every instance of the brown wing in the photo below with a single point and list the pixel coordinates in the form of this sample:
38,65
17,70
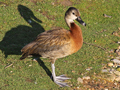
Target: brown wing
48,42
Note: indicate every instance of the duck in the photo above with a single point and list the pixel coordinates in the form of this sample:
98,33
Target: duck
58,43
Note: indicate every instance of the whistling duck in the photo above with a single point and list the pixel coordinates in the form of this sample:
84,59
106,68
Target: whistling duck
57,43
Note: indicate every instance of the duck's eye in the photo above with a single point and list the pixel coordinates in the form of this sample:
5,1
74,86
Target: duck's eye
73,13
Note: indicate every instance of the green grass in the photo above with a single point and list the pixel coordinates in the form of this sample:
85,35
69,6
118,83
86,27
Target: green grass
15,32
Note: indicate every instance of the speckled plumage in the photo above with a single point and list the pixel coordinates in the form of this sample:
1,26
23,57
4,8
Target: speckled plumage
50,44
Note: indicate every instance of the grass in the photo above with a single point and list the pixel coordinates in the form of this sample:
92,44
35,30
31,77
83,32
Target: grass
16,31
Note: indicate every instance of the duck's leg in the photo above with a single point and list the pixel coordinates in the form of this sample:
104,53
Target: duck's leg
58,79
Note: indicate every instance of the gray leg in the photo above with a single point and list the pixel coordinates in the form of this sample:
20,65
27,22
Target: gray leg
58,79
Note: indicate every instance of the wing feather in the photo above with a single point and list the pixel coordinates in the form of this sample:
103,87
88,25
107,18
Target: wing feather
48,42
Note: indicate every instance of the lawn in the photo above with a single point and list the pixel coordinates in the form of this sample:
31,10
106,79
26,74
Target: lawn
22,20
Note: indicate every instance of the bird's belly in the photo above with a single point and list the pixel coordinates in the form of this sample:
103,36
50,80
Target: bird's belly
59,53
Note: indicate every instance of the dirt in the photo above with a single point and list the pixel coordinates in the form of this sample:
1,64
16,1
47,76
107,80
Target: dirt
98,84
66,3
35,1
62,2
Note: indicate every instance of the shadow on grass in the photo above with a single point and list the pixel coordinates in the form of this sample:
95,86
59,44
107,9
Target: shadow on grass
41,63
21,35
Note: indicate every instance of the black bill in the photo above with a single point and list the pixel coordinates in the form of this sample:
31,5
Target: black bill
81,21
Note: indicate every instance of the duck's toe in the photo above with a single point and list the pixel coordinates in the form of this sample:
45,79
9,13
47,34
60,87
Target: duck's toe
61,84
59,81
62,78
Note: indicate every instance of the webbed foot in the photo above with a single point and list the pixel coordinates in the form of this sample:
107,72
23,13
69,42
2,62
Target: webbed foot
59,80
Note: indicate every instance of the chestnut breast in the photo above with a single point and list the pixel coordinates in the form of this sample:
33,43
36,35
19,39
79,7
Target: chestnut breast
76,38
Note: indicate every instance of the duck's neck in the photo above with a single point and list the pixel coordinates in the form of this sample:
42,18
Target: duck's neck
75,29
68,22
76,34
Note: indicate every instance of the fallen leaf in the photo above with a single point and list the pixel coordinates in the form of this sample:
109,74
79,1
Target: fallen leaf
73,71
79,80
106,15
86,77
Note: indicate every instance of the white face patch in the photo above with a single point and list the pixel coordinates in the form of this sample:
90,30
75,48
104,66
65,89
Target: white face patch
71,18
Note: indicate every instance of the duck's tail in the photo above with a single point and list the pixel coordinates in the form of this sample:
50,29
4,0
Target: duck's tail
26,49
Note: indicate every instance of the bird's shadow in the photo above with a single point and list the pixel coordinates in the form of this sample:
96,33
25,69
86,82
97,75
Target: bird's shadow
21,35
41,63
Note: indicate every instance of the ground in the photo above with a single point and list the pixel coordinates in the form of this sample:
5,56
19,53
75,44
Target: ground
21,21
